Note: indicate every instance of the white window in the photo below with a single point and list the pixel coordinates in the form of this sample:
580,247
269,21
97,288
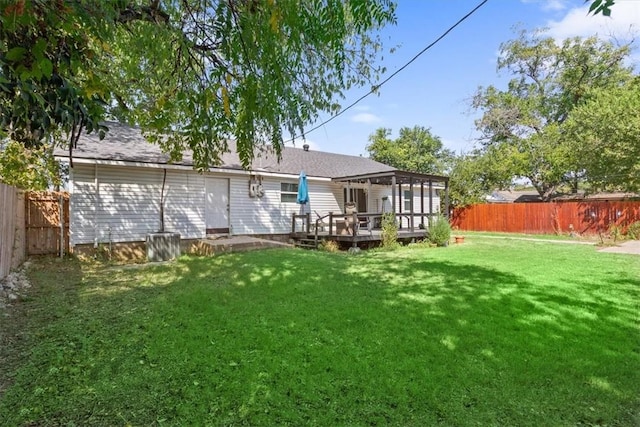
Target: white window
407,196
288,192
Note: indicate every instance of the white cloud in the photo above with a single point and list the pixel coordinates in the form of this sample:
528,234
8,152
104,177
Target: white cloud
623,22
550,5
365,118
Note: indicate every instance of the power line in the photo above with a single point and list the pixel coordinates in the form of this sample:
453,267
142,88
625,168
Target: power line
378,86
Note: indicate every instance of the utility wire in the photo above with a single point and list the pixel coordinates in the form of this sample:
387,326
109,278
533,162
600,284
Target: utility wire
375,88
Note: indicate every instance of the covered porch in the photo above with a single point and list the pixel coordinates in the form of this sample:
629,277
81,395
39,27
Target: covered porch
409,197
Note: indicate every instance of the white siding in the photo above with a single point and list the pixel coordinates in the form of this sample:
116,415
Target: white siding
185,203
377,193
380,191
267,214
82,205
127,205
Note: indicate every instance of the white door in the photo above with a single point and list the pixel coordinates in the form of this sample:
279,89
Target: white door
217,205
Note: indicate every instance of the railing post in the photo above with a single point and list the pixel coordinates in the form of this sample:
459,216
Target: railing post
330,223
293,223
354,219
308,222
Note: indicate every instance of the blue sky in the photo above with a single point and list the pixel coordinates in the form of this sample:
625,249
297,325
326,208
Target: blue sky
434,91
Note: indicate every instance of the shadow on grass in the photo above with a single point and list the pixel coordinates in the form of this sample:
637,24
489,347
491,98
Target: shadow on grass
295,337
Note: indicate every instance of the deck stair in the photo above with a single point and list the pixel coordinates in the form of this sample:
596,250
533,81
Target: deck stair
305,243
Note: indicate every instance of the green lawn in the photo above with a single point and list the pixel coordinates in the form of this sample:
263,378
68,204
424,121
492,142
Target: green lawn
490,332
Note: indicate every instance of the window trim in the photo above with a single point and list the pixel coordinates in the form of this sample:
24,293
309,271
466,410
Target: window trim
286,191
406,200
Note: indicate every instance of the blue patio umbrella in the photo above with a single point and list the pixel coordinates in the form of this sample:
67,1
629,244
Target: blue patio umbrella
303,194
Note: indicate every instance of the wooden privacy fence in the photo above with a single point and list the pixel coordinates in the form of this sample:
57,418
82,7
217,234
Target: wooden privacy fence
589,217
12,237
47,222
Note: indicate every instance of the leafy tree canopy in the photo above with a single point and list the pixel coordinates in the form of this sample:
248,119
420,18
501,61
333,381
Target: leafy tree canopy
527,120
416,149
475,175
28,168
191,73
605,135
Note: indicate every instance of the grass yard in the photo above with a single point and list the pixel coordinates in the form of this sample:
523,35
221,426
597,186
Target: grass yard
491,332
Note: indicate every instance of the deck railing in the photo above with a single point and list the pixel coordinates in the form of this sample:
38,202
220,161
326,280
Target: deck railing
350,224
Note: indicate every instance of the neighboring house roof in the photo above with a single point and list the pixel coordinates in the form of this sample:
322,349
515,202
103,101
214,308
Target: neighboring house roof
527,196
126,143
513,197
597,196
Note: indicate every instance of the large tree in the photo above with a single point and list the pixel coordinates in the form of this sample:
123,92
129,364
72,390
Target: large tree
549,81
477,174
191,73
605,135
416,149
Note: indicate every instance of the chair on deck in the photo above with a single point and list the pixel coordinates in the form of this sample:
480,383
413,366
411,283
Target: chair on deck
360,221
320,222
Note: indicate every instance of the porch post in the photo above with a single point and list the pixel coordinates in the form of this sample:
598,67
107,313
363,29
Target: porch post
393,196
411,202
446,197
430,198
422,203
400,204
369,195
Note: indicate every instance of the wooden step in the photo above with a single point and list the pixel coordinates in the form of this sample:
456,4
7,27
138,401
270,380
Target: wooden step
306,243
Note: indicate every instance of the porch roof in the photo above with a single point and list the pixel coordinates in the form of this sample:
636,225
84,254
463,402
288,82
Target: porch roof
387,177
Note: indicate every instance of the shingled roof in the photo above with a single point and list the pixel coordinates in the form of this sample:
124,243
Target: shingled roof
126,143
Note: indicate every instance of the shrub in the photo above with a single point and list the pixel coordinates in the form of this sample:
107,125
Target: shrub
633,231
615,231
329,246
439,230
389,231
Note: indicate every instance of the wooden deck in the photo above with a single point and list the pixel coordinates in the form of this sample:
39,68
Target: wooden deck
359,237
353,229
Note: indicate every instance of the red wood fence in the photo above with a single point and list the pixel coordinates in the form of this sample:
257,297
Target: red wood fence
555,217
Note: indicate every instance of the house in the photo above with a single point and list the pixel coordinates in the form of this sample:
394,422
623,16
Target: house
116,187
